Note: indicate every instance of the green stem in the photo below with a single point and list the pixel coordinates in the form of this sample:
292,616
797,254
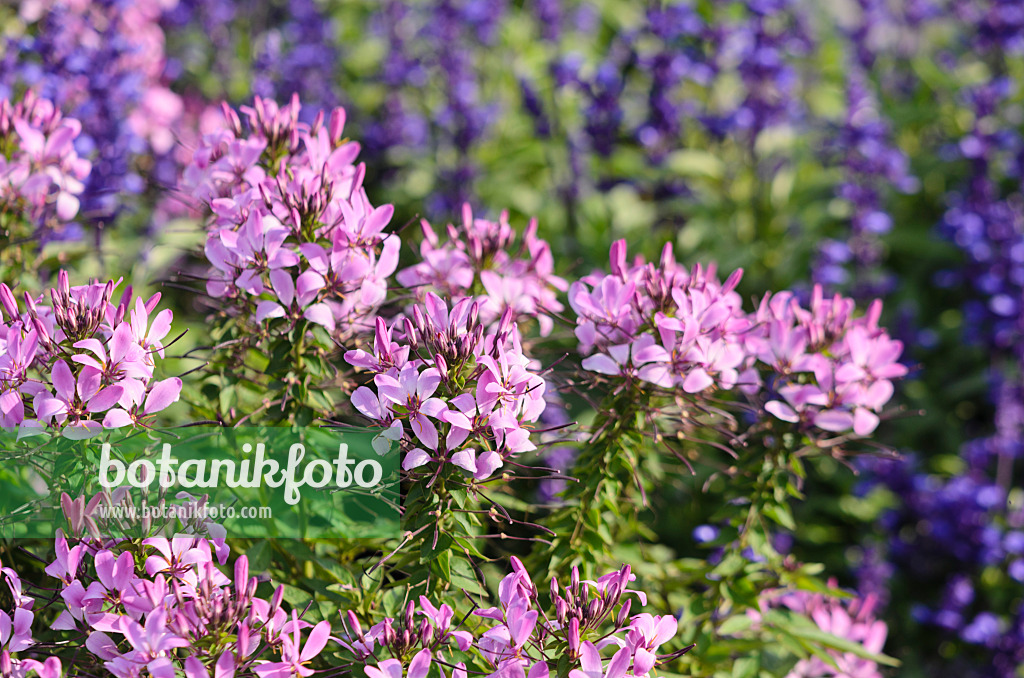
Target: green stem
604,472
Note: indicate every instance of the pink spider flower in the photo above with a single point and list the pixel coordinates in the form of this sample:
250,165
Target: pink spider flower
646,633
223,668
121,361
412,390
162,394
592,666
151,643
76,399
149,337
102,599
419,667
387,355
294,299
294,655
16,626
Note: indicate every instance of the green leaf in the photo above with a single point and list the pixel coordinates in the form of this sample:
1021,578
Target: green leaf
781,515
734,625
817,635
430,549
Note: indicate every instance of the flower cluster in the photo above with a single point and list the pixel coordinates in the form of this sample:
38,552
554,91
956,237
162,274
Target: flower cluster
518,638
665,325
449,389
476,261
828,368
850,620
681,329
16,634
41,174
292,234
104,63
142,602
79,363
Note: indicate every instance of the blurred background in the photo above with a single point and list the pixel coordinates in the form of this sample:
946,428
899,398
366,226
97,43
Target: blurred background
869,146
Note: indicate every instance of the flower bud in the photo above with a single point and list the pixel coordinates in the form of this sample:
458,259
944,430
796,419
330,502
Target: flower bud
8,302
623,613
426,632
410,611
275,601
574,636
336,126
241,573
353,623
388,634
561,610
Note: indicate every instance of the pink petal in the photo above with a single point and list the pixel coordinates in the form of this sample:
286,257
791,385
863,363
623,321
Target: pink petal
308,286
316,641
864,421
269,309
697,381
415,458
601,364
782,411
834,420
162,395
105,399
320,314
63,380
117,418
420,664
619,664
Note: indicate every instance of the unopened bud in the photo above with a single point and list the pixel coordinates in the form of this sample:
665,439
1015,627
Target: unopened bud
574,636
8,302
353,623
336,126
623,613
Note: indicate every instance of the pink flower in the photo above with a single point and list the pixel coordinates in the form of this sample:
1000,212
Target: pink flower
646,633
419,667
51,668
146,336
481,465
16,627
102,599
125,363
224,667
76,399
412,391
387,355
152,641
294,299
295,655
849,620
479,250
631,359
160,396
591,665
